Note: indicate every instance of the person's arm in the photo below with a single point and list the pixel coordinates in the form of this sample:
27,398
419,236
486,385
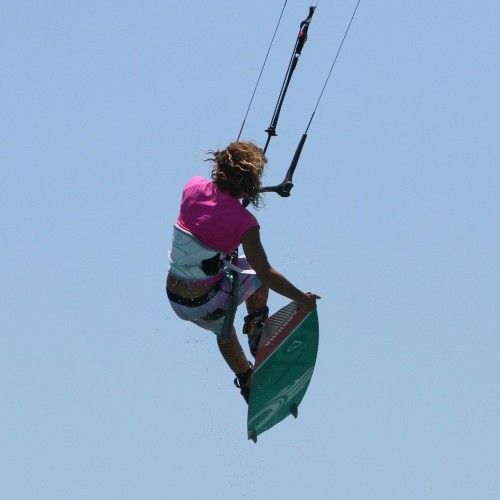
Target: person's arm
257,258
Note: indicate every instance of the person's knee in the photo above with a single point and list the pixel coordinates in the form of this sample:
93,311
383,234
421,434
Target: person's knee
258,299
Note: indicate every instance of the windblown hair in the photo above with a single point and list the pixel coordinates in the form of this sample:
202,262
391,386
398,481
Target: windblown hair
238,170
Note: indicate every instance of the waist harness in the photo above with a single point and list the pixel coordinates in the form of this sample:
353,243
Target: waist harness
191,260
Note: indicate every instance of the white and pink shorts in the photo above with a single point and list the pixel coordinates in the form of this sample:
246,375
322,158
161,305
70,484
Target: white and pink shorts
209,310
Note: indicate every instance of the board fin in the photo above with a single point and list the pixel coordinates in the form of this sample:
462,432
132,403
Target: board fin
294,410
253,435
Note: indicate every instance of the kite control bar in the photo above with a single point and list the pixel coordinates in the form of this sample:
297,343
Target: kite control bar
284,188
297,51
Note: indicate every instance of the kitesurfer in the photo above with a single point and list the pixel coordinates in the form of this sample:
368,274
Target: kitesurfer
211,226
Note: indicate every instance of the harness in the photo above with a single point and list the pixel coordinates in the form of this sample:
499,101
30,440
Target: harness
191,260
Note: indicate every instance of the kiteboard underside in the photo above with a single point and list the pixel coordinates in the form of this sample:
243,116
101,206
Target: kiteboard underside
283,368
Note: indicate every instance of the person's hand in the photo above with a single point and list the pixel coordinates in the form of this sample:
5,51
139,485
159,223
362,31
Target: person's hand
309,304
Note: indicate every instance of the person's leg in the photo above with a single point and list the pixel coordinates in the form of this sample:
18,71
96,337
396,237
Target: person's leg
258,299
233,354
209,316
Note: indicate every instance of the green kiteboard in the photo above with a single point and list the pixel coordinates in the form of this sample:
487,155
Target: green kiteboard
283,368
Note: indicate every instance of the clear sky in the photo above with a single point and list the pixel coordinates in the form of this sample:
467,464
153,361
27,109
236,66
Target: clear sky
106,110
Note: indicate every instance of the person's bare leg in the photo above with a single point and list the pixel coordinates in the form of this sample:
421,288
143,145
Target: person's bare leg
258,299
233,353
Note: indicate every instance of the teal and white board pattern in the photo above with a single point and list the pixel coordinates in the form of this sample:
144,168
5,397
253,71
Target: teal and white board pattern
283,367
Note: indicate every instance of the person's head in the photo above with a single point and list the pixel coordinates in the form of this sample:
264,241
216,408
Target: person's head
238,170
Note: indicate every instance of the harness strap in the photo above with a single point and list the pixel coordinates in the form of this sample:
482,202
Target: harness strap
197,301
231,266
227,325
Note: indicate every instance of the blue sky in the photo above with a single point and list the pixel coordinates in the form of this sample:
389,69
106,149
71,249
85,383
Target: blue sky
107,109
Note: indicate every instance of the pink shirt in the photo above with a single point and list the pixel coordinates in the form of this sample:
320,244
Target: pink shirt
217,219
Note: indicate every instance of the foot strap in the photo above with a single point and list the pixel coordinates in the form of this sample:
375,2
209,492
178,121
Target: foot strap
242,379
254,322
243,382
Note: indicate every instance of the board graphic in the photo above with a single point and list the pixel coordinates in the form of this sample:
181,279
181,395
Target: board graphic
283,367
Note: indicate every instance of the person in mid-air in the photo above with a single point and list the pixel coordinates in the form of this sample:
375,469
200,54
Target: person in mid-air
211,226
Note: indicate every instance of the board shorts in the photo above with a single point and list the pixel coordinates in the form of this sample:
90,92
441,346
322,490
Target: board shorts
209,311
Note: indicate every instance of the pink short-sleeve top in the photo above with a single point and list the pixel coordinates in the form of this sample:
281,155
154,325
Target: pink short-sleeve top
217,219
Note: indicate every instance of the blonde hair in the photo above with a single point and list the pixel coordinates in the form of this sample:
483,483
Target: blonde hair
238,170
